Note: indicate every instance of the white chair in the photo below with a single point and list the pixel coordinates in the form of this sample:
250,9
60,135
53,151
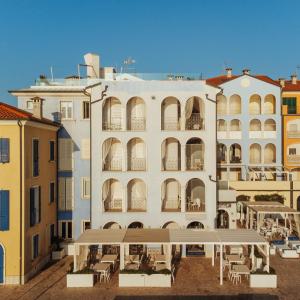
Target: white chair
236,278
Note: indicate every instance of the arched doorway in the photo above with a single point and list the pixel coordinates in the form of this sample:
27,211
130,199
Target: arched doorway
199,249
136,225
1,264
111,225
223,219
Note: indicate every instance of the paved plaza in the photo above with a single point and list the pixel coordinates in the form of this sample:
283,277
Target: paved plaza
195,279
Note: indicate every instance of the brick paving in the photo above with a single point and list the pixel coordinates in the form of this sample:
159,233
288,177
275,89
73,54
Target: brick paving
195,279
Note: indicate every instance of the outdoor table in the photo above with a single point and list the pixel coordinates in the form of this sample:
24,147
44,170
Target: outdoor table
236,249
160,258
233,258
102,268
160,266
241,269
110,258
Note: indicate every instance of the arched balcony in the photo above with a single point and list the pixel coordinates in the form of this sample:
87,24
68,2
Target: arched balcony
170,155
235,154
170,195
136,114
136,195
221,129
235,129
112,155
171,225
221,105
112,114
270,129
269,105
255,154
112,195
270,154
255,131
255,105
136,225
221,153
195,225
195,195
112,225
170,114
194,114
194,153
136,155
235,106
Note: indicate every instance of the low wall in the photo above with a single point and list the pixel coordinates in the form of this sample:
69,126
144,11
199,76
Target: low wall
144,280
263,280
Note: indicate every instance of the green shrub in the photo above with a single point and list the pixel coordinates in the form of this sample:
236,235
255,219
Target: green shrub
273,197
86,270
242,198
147,272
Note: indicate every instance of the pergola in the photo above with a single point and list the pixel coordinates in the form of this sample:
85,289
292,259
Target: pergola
168,237
262,208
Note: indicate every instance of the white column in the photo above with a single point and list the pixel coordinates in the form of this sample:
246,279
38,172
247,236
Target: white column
182,157
183,200
221,264
247,218
126,249
169,256
75,258
213,255
252,256
268,258
183,250
122,254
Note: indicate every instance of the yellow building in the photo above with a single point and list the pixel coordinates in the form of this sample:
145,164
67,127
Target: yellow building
28,166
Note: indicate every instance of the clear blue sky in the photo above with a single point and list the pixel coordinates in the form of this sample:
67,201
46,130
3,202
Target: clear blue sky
161,35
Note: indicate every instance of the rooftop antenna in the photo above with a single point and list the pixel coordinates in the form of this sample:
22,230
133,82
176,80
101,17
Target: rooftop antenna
51,71
128,64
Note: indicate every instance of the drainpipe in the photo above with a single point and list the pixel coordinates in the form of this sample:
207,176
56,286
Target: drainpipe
103,94
56,183
21,197
216,143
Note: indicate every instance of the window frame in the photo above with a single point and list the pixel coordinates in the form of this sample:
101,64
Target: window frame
66,222
83,222
84,110
66,118
51,158
35,252
4,225
35,219
52,183
34,167
2,160
65,197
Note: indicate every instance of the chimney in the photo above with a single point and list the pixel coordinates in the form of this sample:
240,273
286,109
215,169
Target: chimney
228,72
93,65
37,107
246,71
294,78
282,82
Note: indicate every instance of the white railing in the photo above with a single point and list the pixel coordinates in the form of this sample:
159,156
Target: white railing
193,206
137,203
172,165
113,165
171,203
293,134
170,124
113,204
255,134
137,164
137,123
194,164
235,160
293,159
195,122
112,126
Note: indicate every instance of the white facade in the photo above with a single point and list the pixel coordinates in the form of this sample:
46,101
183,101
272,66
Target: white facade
143,173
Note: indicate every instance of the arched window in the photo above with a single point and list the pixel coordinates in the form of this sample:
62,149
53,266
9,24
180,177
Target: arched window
112,225
255,125
221,153
136,114
194,114
170,114
195,195
112,195
112,155
195,225
221,125
269,104
270,125
171,195
136,195
270,154
255,105
136,155
235,125
112,114
255,154
221,105
170,155
136,225
235,106
171,225
235,154
194,153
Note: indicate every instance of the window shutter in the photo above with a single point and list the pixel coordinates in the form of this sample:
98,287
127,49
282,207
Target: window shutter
65,154
40,206
69,194
85,149
4,150
32,206
4,210
61,194
86,187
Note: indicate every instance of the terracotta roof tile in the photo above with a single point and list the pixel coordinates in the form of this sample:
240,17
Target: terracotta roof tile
9,112
290,87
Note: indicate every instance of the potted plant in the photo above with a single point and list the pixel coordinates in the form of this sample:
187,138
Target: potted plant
57,251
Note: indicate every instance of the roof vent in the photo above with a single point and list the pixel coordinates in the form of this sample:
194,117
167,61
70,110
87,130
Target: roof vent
37,107
282,81
294,78
228,72
246,71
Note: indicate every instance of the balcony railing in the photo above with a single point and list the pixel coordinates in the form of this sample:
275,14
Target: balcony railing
172,165
195,206
112,126
171,124
194,164
235,160
137,204
137,164
171,204
293,134
195,122
113,205
113,165
137,123
293,159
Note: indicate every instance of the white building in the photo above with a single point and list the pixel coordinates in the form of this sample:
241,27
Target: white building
153,153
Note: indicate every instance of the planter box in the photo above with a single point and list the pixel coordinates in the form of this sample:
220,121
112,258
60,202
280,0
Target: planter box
263,280
144,280
58,255
80,280
69,248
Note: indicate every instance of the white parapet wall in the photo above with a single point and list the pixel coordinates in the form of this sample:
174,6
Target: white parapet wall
80,280
263,280
144,280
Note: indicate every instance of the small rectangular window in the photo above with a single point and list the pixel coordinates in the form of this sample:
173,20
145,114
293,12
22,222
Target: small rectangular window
65,229
292,151
85,110
35,158
52,192
52,233
65,198
66,110
70,234
4,210
86,225
35,205
4,150
86,187
35,246
291,103
52,151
